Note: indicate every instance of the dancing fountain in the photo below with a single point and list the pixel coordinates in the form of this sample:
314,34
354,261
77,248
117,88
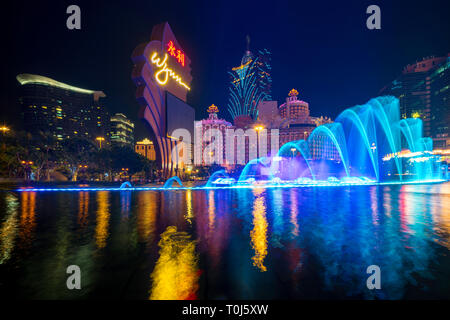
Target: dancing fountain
367,144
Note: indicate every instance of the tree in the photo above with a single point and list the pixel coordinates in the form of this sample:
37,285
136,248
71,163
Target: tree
124,157
77,152
33,153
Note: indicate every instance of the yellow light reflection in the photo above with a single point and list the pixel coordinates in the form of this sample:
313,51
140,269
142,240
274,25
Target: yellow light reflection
146,215
259,233
101,230
27,218
190,211
176,273
8,230
83,206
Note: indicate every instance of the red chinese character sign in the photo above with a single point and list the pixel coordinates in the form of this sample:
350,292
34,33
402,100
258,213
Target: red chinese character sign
174,52
160,66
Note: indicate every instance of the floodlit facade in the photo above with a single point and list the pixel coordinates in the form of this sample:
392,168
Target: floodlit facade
145,148
204,128
162,75
297,124
440,105
122,130
423,92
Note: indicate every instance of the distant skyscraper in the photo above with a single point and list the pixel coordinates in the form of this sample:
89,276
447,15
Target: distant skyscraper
250,83
440,105
122,130
423,91
62,110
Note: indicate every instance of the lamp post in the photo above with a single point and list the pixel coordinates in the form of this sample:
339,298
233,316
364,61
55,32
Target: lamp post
4,129
293,150
258,129
125,173
100,139
27,168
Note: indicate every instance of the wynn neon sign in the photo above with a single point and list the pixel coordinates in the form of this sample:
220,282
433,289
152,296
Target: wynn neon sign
163,73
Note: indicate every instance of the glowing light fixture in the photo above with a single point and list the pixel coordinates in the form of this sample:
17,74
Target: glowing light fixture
4,129
162,75
100,139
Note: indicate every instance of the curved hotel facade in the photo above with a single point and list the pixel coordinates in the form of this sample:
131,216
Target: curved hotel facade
162,75
62,110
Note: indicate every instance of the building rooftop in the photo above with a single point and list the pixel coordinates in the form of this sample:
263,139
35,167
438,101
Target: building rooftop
423,65
145,141
26,78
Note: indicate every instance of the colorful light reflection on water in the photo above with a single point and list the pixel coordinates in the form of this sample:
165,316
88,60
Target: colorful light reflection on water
293,243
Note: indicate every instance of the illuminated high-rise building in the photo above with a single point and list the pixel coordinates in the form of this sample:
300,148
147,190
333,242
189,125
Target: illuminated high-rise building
122,130
62,110
250,83
423,92
440,105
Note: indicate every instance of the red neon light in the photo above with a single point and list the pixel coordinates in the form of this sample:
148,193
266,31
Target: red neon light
174,52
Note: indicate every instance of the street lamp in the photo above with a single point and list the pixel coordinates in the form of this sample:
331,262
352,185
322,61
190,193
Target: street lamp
26,168
258,129
100,139
293,150
4,129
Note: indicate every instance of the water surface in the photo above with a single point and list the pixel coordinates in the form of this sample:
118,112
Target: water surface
299,243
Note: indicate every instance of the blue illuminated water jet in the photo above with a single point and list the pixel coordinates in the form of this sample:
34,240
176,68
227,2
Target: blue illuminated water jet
367,145
256,169
125,185
220,177
170,181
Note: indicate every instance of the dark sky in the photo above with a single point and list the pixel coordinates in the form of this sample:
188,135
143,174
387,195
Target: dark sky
321,48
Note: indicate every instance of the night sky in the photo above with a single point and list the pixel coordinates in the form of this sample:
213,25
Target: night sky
321,48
